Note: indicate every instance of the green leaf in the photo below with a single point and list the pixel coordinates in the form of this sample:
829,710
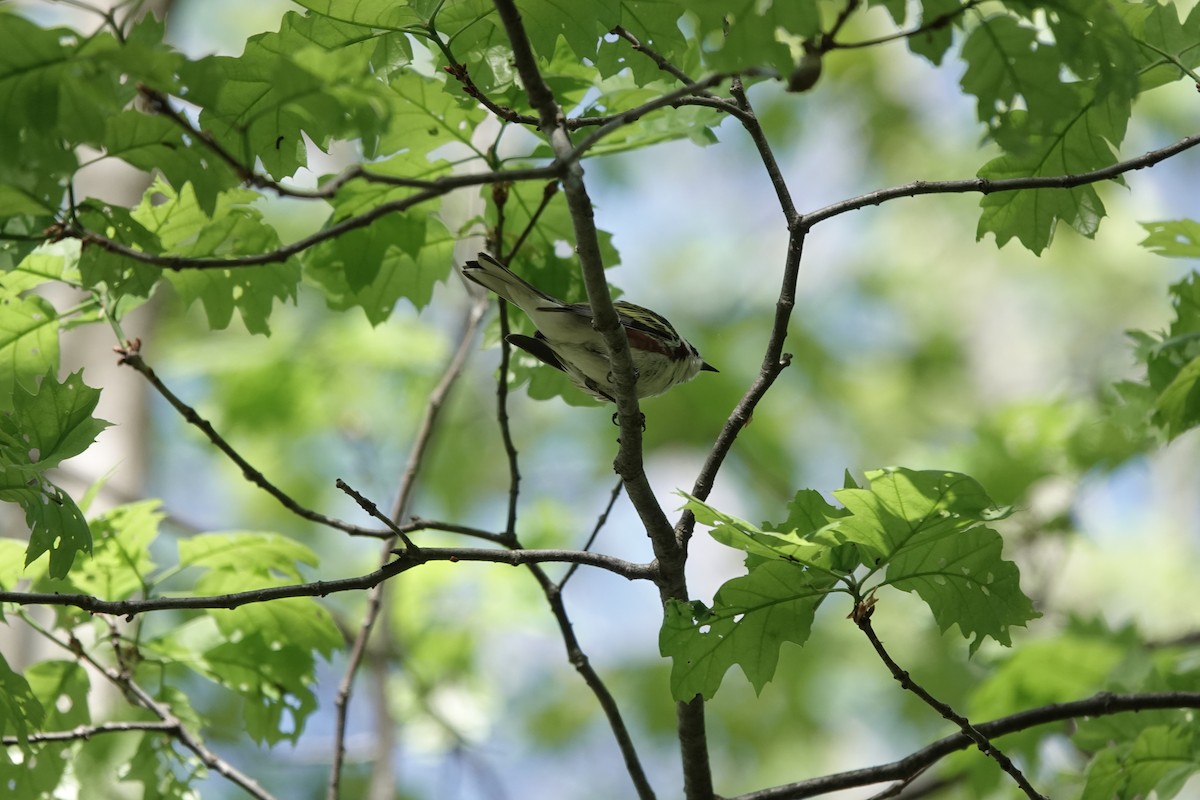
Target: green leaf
58,80
1176,238
926,528
62,688
122,281
28,343
121,561
50,425
56,525
1084,143
933,43
234,229
1067,667
19,706
301,81
1173,362
753,34
1159,761
257,554
1006,61
1177,408
273,682
368,13
374,271
751,617
52,261
791,545
546,20
238,562
1164,42
156,143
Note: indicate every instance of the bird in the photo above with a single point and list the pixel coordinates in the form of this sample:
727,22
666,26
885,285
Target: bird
567,341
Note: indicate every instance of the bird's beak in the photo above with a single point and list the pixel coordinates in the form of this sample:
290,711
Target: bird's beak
706,367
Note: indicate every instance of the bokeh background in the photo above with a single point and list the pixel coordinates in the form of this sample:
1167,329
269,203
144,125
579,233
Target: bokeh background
914,344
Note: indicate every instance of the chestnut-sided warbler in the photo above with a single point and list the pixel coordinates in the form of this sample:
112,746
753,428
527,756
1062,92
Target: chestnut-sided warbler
566,340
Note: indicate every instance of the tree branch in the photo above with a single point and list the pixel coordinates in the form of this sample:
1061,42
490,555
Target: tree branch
172,724
862,617
986,186
131,356
672,583
774,359
1099,705
404,562
408,479
431,190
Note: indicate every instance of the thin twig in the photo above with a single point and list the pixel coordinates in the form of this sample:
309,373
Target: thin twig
123,680
502,418
86,732
131,356
604,697
433,407
985,745
940,21
372,509
842,18
600,521
659,60
774,359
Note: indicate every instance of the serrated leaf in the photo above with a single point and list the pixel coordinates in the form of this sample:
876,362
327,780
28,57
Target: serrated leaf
249,554
926,529
28,343
1157,29
791,545
52,261
1177,408
1006,61
933,43
49,425
1173,362
1086,142
368,13
121,563
62,689
19,706
751,617
155,143
56,525
1175,238
1159,761
301,81
234,229
546,20
273,683
394,274
123,281
752,34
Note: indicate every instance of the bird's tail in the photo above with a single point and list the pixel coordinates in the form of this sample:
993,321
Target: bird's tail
491,274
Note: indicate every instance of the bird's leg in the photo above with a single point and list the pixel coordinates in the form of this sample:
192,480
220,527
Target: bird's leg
641,420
